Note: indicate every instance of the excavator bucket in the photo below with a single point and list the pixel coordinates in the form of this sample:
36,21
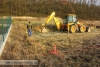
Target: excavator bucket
44,30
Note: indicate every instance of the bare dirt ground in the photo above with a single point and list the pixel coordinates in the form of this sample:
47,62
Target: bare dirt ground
73,50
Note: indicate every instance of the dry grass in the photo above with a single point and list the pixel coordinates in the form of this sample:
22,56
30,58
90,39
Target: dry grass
74,50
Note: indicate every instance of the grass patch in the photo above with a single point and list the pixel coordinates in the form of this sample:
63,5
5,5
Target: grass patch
21,47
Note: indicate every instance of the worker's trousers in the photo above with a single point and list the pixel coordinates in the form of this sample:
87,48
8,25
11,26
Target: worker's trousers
29,32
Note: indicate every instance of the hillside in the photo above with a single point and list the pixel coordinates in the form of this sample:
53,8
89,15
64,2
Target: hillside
84,9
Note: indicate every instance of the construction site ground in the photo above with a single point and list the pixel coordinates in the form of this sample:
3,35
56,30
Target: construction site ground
72,49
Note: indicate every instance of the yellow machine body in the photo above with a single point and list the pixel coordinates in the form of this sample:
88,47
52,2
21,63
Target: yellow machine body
70,24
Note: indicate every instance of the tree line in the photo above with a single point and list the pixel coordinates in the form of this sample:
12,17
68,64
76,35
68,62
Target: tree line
84,9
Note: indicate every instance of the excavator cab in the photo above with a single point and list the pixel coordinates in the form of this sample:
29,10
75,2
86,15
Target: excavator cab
70,18
70,24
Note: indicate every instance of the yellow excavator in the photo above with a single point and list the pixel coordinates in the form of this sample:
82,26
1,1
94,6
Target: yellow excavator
70,24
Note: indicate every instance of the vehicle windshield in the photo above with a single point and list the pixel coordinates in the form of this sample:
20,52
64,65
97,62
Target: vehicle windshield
69,18
65,20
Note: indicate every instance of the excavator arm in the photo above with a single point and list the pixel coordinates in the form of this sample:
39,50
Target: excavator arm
48,19
57,23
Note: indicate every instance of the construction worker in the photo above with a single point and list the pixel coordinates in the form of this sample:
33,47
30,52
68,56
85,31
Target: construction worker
29,29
